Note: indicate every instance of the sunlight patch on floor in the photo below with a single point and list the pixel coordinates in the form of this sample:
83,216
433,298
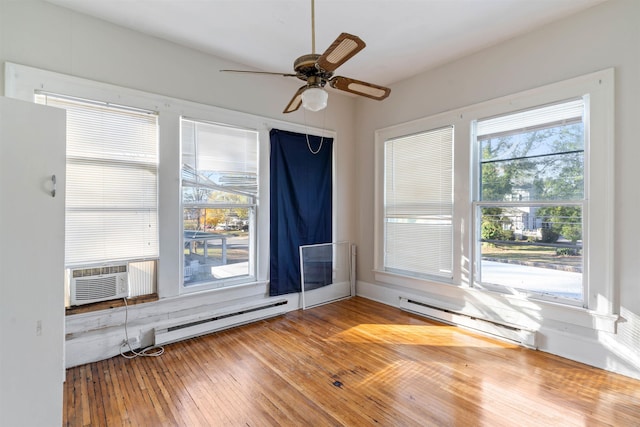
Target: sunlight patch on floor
432,335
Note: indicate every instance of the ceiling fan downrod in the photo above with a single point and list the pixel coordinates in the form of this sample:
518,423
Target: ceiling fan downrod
313,27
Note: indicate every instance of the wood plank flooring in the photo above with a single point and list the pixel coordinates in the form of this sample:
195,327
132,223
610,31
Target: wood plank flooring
350,363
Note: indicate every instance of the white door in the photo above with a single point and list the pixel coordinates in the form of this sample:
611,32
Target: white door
32,151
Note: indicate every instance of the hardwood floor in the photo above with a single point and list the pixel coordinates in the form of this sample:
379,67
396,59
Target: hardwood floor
350,363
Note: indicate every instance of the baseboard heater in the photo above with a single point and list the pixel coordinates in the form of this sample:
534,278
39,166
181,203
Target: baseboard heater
218,322
515,333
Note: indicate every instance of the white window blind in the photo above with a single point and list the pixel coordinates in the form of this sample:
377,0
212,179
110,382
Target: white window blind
220,158
419,203
550,115
111,181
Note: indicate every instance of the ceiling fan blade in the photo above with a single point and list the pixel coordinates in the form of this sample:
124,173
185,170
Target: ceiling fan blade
296,101
343,48
260,72
360,88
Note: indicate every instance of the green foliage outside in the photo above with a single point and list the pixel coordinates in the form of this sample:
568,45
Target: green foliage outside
548,235
210,218
565,221
493,225
544,164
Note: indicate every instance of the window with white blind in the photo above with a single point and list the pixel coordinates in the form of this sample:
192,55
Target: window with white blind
111,182
219,201
531,199
418,203
532,211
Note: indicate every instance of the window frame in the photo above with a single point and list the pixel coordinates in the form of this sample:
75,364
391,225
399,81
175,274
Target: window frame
89,158
252,205
436,122
478,204
598,176
598,262
386,144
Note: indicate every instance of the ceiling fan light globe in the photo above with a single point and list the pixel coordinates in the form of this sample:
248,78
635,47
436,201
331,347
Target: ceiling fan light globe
314,99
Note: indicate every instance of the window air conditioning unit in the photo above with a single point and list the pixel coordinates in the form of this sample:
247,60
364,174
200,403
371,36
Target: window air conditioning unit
94,284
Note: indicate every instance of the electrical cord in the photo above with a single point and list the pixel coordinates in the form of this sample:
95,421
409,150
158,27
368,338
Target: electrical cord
151,351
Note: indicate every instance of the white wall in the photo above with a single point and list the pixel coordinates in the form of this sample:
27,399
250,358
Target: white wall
605,36
41,35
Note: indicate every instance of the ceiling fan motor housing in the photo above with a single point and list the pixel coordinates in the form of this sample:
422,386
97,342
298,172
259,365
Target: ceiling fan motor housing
307,69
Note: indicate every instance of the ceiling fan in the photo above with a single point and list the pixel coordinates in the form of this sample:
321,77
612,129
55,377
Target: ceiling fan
317,71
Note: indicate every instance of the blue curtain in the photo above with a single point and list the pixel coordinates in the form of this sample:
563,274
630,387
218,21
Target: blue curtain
300,203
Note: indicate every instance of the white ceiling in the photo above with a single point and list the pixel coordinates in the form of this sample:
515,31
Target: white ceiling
404,37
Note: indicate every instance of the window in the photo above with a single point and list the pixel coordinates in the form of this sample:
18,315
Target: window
111,186
219,200
531,200
529,216
418,203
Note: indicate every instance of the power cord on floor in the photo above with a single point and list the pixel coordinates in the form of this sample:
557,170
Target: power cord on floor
151,351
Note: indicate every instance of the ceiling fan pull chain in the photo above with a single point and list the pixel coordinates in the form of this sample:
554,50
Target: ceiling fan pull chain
306,133
309,145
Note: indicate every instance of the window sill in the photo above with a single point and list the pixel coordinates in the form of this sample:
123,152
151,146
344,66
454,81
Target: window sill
221,287
416,283
105,305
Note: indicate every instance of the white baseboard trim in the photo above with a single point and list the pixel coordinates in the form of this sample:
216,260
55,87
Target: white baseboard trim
601,349
515,333
214,322
91,337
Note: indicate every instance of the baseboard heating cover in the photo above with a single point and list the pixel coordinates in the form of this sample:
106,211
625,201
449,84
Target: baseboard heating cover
518,334
218,322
